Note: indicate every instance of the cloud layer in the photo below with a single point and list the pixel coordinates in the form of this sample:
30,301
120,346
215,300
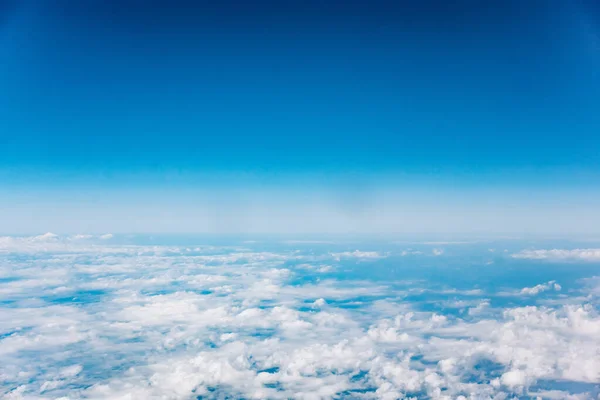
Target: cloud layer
560,254
83,318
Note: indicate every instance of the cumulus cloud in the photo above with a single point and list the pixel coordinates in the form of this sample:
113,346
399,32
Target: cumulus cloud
552,285
480,308
49,236
50,242
319,302
104,321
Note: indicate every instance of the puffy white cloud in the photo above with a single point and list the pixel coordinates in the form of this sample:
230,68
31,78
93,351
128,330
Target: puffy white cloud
551,285
480,308
514,378
97,321
319,302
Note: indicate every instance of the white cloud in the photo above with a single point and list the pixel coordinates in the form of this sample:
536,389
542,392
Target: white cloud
552,285
98,321
410,252
46,237
319,302
559,254
480,308
80,237
514,378
49,242
70,371
358,254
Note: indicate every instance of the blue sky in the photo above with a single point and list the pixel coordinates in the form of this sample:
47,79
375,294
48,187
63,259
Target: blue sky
305,108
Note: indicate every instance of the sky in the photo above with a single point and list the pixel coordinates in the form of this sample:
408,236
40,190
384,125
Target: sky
300,117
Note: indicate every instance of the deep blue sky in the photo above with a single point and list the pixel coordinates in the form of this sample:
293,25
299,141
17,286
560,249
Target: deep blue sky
466,92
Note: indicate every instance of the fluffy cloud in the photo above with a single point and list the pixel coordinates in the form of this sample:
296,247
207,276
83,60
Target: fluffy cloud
49,242
552,285
102,321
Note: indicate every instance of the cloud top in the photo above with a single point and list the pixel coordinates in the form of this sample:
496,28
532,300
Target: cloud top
92,319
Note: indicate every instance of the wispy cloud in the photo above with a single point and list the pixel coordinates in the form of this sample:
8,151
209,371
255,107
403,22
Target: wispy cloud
560,254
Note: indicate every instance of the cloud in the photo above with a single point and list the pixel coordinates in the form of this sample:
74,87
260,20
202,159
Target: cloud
514,378
480,308
81,237
46,237
358,254
99,320
558,254
50,242
410,252
319,302
21,243
552,285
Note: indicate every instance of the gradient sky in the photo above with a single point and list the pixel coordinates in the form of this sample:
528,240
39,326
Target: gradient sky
300,116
